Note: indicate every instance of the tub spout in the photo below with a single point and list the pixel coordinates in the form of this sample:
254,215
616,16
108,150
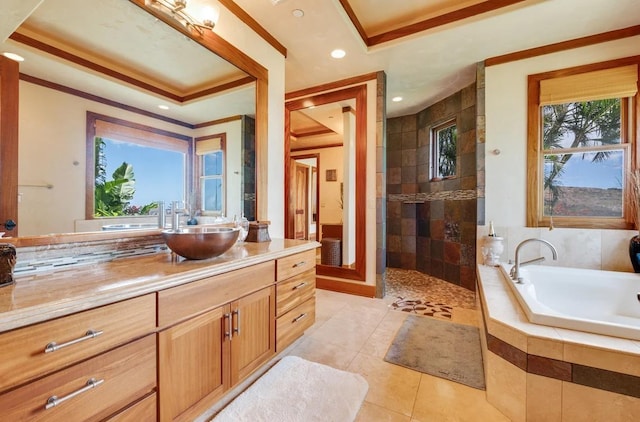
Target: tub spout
515,270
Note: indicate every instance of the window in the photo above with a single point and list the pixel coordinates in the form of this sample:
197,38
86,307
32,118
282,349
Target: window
581,146
134,167
444,150
210,152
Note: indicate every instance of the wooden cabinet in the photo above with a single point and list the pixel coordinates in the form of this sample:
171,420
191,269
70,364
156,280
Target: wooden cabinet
168,355
82,367
253,333
295,297
36,350
191,358
294,323
140,411
203,356
91,390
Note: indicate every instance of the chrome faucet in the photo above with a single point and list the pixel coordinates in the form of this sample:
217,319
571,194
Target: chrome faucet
176,212
515,270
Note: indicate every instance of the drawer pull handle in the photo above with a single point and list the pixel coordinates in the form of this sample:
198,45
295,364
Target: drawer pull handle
299,286
299,264
236,329
298,318
53,346
229,332
54,401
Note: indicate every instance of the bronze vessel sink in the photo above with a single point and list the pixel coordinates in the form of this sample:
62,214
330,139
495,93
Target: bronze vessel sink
201,242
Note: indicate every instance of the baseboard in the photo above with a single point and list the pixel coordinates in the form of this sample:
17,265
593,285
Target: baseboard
354,288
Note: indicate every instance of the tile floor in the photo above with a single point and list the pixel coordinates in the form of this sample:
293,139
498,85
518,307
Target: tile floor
353,333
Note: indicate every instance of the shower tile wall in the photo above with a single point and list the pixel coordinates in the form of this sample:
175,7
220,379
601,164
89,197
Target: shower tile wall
431,225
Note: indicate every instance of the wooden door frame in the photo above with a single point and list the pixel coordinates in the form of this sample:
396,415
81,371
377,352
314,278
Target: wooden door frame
298,165
317,157
359,93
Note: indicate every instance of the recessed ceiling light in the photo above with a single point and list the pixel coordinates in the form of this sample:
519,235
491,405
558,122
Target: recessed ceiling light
396,99
298,13
13,56
338,53
163,107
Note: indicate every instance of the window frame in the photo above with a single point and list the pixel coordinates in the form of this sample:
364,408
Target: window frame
199,168
147,136
435,150
630,113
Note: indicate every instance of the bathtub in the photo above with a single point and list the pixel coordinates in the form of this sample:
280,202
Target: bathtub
601,302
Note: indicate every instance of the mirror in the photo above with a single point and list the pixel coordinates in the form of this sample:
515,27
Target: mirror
116,59
331,128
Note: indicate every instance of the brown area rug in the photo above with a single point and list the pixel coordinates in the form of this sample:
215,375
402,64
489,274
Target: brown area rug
444,349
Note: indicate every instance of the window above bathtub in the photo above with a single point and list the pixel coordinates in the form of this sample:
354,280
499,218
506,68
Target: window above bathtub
582,145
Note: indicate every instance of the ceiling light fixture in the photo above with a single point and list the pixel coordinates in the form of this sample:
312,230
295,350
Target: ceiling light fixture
338,53
298,13
163,107
396,99
177,10
13,56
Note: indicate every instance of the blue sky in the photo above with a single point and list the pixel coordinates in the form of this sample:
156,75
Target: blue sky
158,173
579,172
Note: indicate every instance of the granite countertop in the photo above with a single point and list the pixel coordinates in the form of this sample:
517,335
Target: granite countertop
43,296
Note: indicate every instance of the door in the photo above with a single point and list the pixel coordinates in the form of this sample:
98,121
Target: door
301,201
253,339
191,362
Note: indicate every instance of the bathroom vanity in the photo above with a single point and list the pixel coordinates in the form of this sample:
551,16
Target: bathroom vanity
150,338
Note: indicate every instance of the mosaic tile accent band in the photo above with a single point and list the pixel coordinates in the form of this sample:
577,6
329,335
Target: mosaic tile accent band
31,260
418,198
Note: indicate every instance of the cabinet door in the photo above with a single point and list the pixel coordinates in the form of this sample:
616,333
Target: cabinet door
253,341
192,358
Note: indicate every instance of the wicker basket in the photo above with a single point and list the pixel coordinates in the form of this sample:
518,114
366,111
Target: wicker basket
331,253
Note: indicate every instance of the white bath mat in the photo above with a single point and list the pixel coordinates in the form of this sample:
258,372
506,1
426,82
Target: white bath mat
298,390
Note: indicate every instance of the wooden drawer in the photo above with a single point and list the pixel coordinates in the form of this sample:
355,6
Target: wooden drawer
142,411
127,374
182,302
292,325
295,264
295,290
22,351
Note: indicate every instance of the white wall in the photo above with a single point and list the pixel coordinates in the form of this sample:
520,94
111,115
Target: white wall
505,193
241,36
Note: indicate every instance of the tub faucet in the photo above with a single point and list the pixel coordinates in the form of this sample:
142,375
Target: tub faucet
515,270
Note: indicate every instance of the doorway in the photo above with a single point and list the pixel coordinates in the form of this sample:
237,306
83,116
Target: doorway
306,196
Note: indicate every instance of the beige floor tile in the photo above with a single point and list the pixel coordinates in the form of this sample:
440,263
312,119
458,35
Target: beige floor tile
369,316
369,412
350,334
442,400
390,386
379,342
328,354
466,316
